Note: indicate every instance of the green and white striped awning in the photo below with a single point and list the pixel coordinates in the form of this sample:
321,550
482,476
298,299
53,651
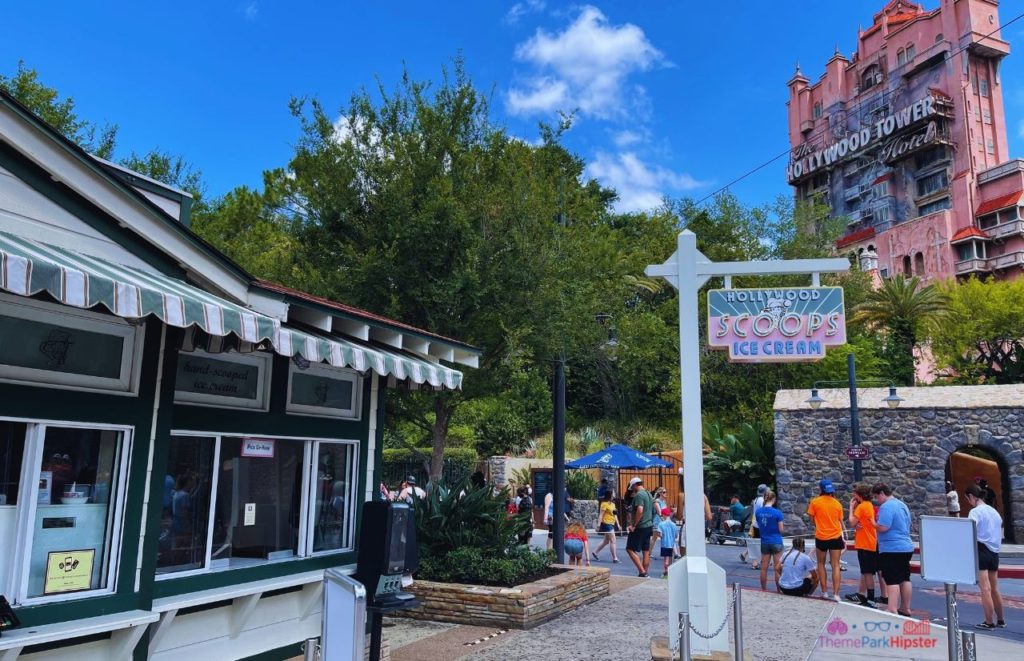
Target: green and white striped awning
30,267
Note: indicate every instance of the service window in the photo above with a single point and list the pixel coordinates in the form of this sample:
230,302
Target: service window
239,501
61,497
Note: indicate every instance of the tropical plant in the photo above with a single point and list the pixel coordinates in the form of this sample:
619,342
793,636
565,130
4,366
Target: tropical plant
581,484
903,310
737,462
464,534
521,476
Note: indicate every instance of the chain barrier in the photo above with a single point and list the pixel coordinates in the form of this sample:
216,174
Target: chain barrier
968,647
725,621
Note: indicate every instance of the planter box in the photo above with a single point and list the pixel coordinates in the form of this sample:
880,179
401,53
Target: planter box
522,607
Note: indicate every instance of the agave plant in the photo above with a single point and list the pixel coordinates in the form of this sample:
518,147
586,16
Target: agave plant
462,516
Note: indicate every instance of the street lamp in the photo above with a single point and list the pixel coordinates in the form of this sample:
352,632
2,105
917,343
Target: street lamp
892,401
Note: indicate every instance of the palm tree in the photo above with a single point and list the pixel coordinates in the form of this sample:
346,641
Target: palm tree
903,309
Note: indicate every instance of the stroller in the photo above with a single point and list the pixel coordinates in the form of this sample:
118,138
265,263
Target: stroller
737,530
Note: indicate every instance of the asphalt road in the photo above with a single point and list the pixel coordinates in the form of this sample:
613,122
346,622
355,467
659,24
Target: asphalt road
928,599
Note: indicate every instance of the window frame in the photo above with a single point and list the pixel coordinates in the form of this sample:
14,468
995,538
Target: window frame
352,496
303,549
133,336
337,374
264,364
17,580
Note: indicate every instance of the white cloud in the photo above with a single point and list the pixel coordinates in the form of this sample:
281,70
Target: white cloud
520,9
251,10
640,186
626,138
587,64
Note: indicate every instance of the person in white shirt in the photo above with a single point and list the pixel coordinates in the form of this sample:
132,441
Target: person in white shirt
990,535
797,570
952,500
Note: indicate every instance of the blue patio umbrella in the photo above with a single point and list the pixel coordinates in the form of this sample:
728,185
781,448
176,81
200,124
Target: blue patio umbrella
618,456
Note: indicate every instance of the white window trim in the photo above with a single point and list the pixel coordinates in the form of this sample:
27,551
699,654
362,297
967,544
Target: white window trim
263,361
351,497
28,498
304,546
337,374
127,382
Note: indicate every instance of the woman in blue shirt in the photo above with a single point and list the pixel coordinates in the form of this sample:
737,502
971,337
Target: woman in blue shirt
769,524
895,548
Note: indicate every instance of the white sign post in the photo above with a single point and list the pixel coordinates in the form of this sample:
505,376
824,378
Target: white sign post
696,584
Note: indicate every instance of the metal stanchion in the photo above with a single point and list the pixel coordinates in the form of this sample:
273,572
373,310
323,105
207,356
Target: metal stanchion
737,623
684,637
311,649
970,651
952,628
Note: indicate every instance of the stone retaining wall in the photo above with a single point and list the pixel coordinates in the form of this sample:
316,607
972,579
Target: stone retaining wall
522,607
909,445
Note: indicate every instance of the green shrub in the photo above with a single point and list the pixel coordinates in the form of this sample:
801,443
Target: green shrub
518,565
501,431
465,536
581,484
521,476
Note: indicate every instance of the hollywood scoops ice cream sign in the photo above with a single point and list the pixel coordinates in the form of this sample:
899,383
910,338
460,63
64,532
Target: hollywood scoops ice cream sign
787,324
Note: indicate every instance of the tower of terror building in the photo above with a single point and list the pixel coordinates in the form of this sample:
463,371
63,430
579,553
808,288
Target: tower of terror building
906,141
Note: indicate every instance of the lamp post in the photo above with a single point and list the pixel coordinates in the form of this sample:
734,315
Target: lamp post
892,401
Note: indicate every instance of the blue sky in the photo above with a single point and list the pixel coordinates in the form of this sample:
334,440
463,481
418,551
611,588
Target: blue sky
673,98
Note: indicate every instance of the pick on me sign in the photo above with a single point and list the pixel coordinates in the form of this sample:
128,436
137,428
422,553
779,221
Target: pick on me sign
775,325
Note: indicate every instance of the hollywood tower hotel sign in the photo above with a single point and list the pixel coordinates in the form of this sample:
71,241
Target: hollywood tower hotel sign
892,132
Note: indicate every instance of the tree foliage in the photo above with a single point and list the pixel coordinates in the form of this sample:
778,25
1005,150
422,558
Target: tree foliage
981,336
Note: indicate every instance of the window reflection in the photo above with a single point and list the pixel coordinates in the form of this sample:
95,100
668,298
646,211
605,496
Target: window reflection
332,490
186,504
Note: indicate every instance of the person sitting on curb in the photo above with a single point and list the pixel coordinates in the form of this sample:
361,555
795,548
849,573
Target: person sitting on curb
798,568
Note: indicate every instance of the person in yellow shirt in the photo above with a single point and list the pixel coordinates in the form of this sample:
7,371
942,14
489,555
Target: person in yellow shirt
865,540
827,514
607,524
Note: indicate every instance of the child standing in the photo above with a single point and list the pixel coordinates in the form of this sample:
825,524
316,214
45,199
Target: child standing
577,545
667,532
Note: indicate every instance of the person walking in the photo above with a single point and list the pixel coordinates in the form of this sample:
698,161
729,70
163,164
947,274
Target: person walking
952,500
797,578
989,525
525,508
827,514
659,499
769,522
666,533
755,532
607,525
865,540
641,528
895,548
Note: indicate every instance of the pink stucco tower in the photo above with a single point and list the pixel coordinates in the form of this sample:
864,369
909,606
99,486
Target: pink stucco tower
906,140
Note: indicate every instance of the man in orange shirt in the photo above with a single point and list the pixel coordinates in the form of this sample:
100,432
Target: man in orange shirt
827,514
862,520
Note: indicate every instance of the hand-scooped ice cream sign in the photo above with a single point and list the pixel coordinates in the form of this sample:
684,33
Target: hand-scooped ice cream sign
787,324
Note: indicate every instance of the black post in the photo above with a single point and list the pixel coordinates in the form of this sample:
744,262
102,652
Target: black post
376,632
851,368
557,531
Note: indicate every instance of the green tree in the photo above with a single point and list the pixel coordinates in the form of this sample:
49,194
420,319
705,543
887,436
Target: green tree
59,113
903,310
981,336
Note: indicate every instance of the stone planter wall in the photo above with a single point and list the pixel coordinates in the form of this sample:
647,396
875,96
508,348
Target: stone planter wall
522,607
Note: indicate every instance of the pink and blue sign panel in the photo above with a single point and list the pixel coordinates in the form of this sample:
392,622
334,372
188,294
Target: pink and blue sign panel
788,324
